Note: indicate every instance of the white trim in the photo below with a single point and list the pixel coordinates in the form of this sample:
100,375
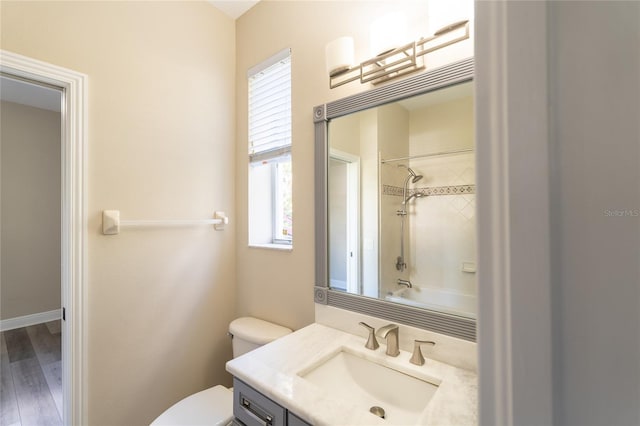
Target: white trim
281,55
31,319
74,223
343,156
494,333
272,246
514,321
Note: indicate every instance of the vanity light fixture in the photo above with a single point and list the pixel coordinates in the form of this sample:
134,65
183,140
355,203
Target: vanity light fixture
392,64
339,55
387,33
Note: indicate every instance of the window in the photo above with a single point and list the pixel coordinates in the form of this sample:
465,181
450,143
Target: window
270,206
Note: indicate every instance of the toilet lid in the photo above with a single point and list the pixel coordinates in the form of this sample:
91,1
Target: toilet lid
256,330
210,407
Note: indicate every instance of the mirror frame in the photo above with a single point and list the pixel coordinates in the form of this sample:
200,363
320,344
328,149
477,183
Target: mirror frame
428,81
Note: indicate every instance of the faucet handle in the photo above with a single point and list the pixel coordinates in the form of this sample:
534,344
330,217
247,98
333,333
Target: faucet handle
417,357
372,343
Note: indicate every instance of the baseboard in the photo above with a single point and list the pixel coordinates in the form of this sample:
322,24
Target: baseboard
26,320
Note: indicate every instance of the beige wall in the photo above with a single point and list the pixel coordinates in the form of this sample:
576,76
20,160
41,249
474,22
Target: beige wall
443,127
279,285
280,288
161,146
162,103
393,142
369,201
345,134
30,281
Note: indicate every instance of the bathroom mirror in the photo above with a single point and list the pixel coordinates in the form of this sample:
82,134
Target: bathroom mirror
395,200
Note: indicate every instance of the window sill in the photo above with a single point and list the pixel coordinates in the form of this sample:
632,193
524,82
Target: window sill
281,247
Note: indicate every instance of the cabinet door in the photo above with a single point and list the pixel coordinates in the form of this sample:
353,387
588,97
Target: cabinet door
293,420
254,409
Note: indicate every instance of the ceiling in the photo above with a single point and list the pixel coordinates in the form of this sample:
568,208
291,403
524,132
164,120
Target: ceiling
233,8
31,94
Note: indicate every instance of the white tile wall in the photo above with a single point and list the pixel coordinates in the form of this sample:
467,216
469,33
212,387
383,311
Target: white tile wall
440,229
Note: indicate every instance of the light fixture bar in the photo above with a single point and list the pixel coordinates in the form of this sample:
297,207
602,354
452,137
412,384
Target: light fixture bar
400,61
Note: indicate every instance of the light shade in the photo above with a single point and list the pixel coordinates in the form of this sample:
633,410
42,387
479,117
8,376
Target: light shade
339,55
387,33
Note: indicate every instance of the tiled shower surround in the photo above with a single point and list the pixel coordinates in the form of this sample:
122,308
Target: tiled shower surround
440,232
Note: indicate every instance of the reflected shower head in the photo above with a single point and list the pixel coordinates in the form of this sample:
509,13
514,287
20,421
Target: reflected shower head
414,195
416,177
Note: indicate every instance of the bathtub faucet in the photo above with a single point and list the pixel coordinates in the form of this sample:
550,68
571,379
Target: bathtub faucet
405,282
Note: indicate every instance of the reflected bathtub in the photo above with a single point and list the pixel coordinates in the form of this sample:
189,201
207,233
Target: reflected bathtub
463,305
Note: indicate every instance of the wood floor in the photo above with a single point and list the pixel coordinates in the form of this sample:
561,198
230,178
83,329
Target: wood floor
30,376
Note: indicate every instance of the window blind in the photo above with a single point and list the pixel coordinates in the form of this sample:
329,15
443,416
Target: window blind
270,108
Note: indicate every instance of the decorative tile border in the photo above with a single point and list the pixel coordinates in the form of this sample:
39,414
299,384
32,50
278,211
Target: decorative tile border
436,190
391,190
448,190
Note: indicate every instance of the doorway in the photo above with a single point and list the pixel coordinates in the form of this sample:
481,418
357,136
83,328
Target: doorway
30,235
344,225
72,224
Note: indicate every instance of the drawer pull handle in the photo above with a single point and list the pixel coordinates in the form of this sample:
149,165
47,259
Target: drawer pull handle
256,412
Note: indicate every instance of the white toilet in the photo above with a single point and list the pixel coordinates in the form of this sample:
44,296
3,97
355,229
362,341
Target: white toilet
214,406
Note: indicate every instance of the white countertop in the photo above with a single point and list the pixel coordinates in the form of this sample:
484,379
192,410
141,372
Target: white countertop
273,370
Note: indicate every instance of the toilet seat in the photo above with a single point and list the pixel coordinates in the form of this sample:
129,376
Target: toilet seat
210,407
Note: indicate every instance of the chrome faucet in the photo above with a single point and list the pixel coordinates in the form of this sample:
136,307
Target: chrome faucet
390,332
405,282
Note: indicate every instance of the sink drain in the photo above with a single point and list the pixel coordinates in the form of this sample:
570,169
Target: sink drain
378,411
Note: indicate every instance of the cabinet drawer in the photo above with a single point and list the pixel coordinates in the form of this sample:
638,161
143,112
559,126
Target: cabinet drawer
254,409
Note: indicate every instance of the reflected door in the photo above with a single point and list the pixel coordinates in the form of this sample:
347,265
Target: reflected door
344,189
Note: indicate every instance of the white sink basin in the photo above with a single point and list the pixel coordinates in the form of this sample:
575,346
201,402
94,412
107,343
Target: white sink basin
367,384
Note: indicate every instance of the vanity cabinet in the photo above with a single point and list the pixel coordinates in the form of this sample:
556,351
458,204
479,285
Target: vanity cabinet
251,408
293,420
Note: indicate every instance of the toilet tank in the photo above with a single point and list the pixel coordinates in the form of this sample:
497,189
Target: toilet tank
250,333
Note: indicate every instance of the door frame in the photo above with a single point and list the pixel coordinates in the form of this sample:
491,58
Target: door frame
515,356
73,225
